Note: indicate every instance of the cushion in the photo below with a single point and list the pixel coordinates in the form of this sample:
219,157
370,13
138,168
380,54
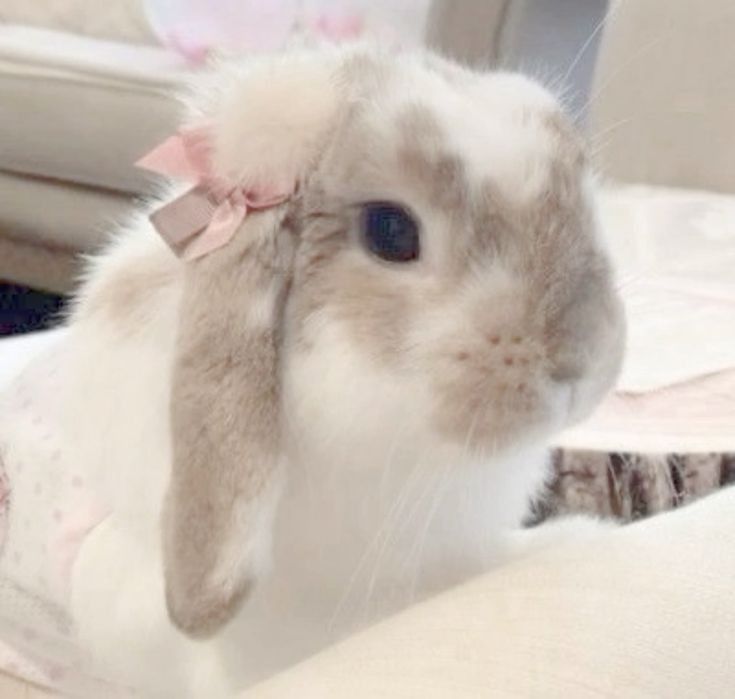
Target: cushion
83,110
50,212
641,611
121,20
40,267
12,688
44,224
663,105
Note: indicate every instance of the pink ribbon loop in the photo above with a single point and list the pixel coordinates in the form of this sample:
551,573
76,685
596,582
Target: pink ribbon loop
207,216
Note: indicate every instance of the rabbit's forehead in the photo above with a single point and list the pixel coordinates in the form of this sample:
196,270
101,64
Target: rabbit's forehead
498,129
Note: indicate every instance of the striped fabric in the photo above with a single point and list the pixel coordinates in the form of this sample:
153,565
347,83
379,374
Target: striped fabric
629,486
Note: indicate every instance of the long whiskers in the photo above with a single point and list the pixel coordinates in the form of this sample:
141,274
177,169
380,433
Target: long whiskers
376,541
395,524
418,550
585,46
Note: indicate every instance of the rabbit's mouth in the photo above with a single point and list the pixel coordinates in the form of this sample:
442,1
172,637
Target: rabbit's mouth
496,400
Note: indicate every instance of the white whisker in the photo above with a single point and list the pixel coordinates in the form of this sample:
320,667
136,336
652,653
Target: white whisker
391,530
375,541
585,46
439,493
611,78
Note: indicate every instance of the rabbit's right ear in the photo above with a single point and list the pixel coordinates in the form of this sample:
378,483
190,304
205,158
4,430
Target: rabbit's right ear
225,397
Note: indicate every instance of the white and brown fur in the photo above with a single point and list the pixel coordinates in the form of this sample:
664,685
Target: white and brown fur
297,437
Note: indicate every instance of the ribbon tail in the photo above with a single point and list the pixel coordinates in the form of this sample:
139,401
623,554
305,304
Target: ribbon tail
181,155
227,218
184,217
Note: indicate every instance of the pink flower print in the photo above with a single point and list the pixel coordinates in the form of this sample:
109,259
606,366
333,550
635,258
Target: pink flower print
67,538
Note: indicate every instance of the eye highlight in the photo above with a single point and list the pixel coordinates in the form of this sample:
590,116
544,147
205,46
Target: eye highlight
389,232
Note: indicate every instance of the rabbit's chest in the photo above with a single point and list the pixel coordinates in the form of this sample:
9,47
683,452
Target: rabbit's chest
349,554
354,546
357,550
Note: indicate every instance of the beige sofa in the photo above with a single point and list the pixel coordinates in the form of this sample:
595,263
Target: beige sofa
75,114
642,612
663,106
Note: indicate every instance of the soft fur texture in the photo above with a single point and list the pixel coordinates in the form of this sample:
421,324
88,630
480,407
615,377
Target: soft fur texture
324,436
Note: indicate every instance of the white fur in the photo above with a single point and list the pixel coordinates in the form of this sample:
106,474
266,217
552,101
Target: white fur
517,160
375,513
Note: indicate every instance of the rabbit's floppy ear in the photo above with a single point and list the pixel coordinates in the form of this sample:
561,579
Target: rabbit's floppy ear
225,405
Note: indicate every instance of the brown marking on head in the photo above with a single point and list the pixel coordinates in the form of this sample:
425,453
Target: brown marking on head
537,241
425,159
364,295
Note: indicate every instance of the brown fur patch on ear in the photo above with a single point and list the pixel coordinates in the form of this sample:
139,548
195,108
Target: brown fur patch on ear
123,296
225,419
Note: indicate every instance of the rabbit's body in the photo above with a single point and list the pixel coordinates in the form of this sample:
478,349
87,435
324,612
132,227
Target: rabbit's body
354,540
343,408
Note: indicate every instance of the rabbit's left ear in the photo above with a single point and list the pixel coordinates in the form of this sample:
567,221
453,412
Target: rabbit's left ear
225,397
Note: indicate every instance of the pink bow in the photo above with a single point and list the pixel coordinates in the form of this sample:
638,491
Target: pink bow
207,216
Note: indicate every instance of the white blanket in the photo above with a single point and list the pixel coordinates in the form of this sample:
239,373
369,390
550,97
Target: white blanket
674,253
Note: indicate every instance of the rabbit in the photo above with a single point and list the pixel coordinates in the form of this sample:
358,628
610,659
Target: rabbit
343,405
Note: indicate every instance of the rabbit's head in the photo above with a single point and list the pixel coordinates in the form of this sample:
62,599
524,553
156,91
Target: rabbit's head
435,281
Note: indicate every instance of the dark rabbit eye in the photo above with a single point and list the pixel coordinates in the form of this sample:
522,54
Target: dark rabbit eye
390,232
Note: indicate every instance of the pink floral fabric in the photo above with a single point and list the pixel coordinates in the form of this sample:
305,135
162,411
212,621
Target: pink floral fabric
46,511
